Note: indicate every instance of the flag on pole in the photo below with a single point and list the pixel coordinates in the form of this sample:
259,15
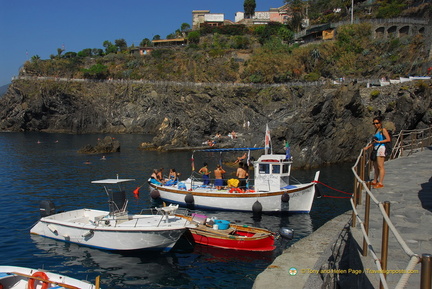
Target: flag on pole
267,142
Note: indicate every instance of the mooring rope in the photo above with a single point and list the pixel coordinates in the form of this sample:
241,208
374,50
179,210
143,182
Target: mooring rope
335,197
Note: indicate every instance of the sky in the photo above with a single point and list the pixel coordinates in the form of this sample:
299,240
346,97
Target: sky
32,27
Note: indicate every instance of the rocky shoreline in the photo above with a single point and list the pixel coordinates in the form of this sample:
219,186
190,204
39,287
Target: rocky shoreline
323,124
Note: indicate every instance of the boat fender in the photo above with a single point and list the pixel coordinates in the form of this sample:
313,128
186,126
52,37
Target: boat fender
41,275
257,208
189,199
286,233
154,194
285,197
46,208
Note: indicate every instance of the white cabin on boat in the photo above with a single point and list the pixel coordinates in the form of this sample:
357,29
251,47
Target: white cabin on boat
272,172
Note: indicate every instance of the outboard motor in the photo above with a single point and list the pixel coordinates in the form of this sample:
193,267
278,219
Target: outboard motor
46,208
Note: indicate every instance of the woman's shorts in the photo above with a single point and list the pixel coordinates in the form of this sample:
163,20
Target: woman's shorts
381,151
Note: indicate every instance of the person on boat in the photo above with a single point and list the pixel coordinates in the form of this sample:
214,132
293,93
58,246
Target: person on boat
219,171
205,174
154,178
172,178
240,159
242,175
160,176
380,137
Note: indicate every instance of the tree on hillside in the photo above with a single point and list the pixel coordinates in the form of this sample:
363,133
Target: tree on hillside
35,58
121,44
249,8
109,47
156,37
297,7
185,27
194,37
59,52
145,42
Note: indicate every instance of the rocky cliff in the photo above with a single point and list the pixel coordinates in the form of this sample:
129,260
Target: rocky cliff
323,124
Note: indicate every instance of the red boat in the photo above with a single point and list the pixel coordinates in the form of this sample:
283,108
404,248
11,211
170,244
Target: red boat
222,234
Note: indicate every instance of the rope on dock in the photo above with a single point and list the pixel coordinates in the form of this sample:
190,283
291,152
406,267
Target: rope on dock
335,197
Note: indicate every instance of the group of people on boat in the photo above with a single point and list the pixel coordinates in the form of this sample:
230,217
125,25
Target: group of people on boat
219,181
158,178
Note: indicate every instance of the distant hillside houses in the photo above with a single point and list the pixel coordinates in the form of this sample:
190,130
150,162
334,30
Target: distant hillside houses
204,17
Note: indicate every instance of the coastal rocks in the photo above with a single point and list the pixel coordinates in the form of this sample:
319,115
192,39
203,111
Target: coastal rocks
106,145
323,124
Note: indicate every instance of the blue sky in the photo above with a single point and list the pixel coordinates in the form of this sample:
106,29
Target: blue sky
31,27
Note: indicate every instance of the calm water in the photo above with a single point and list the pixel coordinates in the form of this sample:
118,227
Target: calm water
37,166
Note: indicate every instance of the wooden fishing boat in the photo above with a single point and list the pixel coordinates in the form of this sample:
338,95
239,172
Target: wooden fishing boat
269,191
13,277
223,234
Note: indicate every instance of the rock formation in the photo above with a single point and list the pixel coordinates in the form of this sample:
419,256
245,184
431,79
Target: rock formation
103,146
323,124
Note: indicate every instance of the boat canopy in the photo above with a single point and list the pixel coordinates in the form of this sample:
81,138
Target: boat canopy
228,150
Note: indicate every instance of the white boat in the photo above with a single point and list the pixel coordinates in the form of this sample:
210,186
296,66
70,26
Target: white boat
13,277
113,230
419,77
271,191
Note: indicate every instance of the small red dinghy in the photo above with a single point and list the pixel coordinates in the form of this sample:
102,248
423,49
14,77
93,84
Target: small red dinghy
222,234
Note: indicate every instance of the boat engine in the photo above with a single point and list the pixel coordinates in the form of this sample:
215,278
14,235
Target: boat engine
46,208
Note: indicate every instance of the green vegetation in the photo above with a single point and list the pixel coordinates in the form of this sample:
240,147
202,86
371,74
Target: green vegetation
374,94
257,54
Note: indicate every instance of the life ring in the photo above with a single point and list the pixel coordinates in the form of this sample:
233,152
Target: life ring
236,190
42,275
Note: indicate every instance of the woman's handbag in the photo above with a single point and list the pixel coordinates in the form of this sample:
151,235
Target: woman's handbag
373,155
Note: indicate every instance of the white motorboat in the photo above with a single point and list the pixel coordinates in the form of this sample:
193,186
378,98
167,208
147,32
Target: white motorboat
113,230
13,277
271,190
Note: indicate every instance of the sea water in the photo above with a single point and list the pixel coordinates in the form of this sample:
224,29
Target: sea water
40,166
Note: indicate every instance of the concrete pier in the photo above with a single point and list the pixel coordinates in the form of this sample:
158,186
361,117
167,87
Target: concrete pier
331,257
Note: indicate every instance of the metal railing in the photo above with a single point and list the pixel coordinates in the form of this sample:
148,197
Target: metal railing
407,141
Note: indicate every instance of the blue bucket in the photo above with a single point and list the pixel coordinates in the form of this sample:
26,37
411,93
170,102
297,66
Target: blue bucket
222,224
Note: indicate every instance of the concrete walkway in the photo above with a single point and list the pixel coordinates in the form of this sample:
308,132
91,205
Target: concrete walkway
337,246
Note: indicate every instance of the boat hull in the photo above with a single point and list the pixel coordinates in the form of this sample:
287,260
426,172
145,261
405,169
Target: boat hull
13,277
241,241
138,232
300,199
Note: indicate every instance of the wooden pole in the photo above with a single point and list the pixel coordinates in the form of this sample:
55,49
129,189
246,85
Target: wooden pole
384,243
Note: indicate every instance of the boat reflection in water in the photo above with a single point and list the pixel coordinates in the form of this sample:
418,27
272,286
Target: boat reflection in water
133,268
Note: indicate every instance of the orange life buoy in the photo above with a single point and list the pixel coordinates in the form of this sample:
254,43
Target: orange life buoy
42,275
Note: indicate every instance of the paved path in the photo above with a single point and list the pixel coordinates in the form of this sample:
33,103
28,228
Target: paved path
408,188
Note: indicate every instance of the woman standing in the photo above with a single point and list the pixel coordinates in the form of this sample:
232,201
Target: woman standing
380,137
